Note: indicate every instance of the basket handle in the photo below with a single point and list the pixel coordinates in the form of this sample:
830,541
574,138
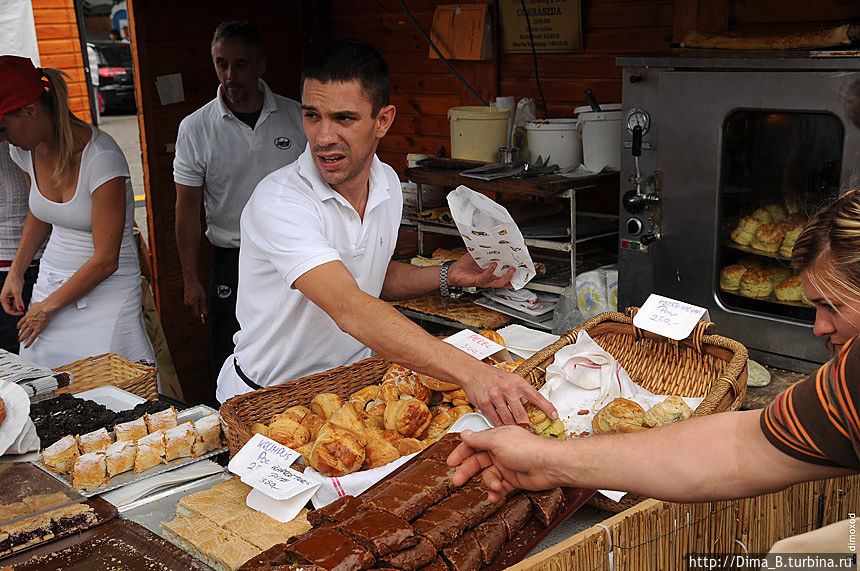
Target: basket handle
696,337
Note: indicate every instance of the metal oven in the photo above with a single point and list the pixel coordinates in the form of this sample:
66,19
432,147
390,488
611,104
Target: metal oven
712,147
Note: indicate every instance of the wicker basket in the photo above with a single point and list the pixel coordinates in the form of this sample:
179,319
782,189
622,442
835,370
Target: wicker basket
703,365
111,369
242,411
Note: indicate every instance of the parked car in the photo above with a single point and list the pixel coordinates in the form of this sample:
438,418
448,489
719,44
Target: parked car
116,76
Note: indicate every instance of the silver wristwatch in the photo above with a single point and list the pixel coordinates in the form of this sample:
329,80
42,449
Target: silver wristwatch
450,292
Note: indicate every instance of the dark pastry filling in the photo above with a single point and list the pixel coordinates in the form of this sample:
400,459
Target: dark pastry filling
23,538
74,523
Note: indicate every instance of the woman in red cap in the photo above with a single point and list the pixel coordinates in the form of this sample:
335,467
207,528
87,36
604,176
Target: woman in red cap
86,300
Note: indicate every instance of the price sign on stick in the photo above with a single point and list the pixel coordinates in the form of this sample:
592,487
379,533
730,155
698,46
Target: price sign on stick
669,317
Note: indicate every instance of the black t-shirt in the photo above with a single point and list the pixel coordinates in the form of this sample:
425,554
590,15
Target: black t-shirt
249,119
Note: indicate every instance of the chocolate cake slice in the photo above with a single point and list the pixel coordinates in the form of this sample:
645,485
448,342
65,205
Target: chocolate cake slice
404,500
412,558
490,534
547,504
472,501
431,474
440,526
442,447
339,510
463,555
379,531
515,513
437,564
327,548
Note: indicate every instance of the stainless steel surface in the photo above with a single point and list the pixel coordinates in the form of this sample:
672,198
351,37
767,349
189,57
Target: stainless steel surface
152,510
688,100
193,413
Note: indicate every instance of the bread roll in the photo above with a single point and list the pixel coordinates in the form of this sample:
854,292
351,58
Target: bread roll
670,410
776,274
305,451
337,452
750,224
313,423
379,452
347,417
407,446
285,429
741,237
408,417
620,415
325,404
730,277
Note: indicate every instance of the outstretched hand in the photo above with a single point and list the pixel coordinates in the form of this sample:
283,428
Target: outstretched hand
508,458
465,272
500,395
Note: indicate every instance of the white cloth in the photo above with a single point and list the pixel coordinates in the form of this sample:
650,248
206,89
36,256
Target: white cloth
228,159
108,319
13,206
293,223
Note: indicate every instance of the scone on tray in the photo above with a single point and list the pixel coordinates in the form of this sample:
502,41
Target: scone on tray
788,242
767,238
777,212
791,289
776,274
730,277
755,284
763,216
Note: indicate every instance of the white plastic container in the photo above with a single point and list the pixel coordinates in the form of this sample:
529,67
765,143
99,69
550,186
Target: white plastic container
478,132
601,136
558,140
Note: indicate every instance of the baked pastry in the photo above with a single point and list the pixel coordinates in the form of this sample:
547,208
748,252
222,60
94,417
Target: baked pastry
730,277
776,274
788,242
287,430
179,440
440,526
298,412
59,456
762,215
94,441
509,366
462,309
339,510
777,212
337,452
546,504
438,426
412,558
42,502
161,420
347,417
150,452
379,452
767,238
325,404
119,457
407,446
670,410
790,289
214,545
441,214
263,532
493,336
751,263
409,417
313,423
327,548
463,554
515,513
24,533
620,415
805,300
379,532
131,430
490,534
89,471
208,435
456,397
361,398
755,284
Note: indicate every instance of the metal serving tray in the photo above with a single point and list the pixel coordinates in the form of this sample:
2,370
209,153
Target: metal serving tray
193,413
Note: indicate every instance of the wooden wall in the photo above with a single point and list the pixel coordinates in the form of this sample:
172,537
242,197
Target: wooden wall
174,37
60,47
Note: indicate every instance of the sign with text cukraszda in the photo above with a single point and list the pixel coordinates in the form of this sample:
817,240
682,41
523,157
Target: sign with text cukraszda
475,345
669,317
279,491
556,26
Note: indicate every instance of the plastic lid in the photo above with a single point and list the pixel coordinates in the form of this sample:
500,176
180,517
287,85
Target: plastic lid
478,112
552,125
600,116
603,107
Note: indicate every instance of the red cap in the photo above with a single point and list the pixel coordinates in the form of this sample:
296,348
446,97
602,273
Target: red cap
20,83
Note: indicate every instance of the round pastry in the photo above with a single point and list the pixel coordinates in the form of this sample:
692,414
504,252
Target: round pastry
798,218
767,238
313,422
409,417
363,397
670,410
788,242
298,412
337,453
730,277
790,289
786,224
777,212
749,224
755,284
776,274
379,452
762,216
404,387
325,404
620,415
286,430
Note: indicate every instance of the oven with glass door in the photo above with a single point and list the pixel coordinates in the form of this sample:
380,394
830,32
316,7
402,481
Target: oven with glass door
723,160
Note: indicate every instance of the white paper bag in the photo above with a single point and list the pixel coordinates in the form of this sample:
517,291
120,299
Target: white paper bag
491,235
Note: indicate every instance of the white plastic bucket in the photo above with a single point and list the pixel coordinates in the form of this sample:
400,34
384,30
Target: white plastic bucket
555,139
478,132
601,136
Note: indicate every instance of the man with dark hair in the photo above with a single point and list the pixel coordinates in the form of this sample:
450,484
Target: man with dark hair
317,240
222,151
114,35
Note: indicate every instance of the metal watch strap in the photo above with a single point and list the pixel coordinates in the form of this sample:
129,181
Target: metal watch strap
450,292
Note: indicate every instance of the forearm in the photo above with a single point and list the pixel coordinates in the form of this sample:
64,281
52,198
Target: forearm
188,246
716,457
32,236
404,281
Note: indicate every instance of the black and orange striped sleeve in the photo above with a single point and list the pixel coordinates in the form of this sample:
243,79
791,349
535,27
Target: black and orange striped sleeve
816,420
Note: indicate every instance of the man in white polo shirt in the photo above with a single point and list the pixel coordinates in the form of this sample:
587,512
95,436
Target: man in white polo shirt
317,240
222,151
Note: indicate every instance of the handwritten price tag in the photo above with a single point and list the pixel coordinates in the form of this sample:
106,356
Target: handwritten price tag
265,465
475,345
668,317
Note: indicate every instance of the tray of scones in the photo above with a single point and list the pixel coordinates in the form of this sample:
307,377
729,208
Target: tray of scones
768,231
770,282
98,461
